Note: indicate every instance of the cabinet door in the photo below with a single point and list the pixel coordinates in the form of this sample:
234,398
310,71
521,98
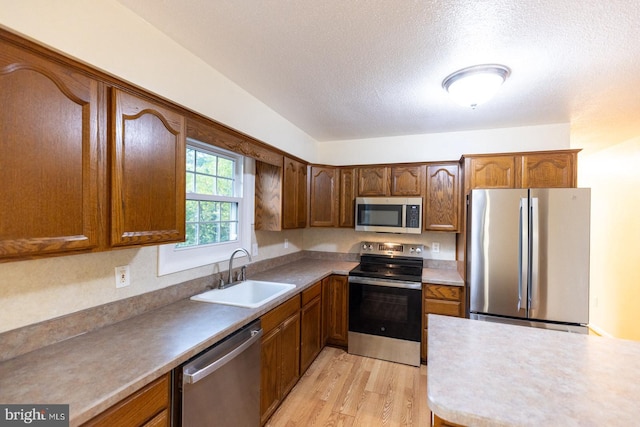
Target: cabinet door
326,309
373,181
324,197
49,157
290,353
490,172
549,170
442,199
269,374
294,197
338,311
311,332
147,172
147,406
347,203
268,198
407,180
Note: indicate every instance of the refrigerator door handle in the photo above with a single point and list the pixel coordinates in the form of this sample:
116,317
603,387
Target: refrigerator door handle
534,262
523,258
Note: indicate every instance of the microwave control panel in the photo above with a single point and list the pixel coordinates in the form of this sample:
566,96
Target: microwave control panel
413,216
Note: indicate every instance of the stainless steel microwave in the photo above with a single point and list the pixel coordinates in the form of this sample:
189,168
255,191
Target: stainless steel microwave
389,214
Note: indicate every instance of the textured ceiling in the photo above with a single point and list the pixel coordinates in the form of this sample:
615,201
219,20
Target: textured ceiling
346,69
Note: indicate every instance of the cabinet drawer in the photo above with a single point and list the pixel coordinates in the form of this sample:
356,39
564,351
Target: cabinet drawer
447,308
279,314
443,292
310,293
145,405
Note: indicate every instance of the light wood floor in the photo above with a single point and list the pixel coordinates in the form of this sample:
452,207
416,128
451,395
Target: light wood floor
341,389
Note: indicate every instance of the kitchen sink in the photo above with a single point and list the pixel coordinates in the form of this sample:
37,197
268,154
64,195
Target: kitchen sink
249,293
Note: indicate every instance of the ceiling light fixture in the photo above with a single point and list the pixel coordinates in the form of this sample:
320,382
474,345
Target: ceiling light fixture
472,86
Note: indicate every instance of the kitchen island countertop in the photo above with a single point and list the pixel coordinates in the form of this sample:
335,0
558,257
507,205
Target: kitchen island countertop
489,374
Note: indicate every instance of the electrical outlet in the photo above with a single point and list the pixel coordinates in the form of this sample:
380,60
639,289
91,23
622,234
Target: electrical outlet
435,247
122,276
286,243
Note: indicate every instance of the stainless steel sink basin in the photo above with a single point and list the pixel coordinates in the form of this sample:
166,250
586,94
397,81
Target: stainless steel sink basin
250,293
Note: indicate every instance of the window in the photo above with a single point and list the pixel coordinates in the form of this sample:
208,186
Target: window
219,208
213,194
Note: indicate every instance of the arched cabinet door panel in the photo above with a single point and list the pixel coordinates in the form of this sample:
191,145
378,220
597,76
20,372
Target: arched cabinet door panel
49,167
147,172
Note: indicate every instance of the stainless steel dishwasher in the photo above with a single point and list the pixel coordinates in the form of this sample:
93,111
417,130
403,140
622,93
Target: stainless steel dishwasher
221,387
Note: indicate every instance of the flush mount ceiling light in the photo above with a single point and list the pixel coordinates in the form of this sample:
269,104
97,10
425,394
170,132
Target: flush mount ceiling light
472,86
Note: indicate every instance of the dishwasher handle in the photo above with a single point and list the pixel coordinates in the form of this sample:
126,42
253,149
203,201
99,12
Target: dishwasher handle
192,378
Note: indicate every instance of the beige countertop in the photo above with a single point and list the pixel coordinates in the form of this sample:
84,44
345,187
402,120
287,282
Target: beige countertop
93,371
439,276
488,374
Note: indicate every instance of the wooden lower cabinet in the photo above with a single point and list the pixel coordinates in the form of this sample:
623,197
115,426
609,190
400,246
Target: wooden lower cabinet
310,325
446,300
294,334
338,310
439,422
148,407
280,355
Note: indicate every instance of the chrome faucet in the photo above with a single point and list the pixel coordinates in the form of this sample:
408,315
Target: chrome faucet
243,274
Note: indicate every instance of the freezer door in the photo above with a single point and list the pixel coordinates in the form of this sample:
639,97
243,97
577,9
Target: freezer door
497,234
560,254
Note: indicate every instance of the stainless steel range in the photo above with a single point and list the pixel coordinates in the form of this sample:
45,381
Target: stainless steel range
385,302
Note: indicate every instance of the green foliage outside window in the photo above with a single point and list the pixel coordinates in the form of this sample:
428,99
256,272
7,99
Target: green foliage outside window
208,220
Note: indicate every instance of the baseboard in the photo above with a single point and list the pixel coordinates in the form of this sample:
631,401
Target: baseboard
595,330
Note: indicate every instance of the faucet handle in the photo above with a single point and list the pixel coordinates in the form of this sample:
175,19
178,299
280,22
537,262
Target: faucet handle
243,273
221,283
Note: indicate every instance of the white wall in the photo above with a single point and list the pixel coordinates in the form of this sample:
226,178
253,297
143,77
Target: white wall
443,146
108,36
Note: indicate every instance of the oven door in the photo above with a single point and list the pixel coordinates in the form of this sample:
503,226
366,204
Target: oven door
386,308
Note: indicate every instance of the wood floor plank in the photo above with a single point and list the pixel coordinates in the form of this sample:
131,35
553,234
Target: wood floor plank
345,390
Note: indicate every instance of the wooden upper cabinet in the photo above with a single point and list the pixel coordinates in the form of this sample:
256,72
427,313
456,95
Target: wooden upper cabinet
347,205
543,169
391,181
294,197
548,170
268,197
490,172
49,156
407,180
373,181
442,201
281,195
324,197
147,172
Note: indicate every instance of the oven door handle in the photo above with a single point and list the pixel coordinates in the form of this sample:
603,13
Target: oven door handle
385,282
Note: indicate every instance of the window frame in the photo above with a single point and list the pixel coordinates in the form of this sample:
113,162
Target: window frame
172,259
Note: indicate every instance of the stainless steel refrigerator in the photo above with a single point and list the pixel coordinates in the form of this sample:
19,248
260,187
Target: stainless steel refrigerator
528,257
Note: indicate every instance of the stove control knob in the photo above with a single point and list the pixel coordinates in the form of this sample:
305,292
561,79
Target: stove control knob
418,250
412,250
